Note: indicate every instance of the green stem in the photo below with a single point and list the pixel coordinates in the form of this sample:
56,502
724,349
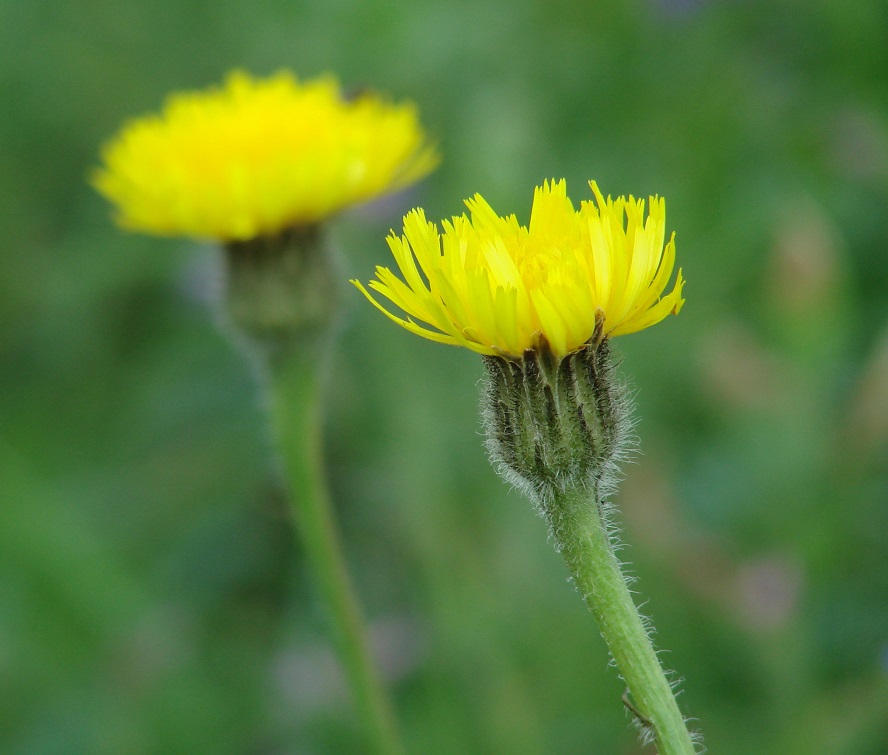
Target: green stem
581,535
295,395
280,299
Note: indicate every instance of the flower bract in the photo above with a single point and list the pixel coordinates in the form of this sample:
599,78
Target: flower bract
258,156
499,288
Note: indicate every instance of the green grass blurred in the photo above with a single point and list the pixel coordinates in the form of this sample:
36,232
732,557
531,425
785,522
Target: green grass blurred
152,599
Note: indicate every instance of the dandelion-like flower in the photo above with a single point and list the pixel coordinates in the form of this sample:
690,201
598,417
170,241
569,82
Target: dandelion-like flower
541,303
257,157
500,288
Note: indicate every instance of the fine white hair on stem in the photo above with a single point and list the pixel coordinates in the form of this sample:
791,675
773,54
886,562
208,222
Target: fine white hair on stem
559,430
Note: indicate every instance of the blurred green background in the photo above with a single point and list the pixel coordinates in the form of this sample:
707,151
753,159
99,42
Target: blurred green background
152,598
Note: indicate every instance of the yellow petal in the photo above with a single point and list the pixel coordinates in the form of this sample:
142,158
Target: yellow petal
497,287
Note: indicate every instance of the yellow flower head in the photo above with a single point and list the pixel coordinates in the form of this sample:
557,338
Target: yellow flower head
500,288
256,157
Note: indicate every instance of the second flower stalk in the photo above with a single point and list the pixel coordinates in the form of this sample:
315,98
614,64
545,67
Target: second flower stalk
258,165
280,298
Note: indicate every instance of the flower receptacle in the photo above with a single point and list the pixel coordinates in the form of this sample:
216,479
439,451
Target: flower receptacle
556,424
281,289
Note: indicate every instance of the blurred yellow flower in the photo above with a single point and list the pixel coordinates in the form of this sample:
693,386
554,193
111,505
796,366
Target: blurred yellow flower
256,157
500,288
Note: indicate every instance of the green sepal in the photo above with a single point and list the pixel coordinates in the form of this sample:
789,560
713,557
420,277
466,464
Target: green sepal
556,424
281,290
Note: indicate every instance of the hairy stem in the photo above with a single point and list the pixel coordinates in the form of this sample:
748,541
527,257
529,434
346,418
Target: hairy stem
581,536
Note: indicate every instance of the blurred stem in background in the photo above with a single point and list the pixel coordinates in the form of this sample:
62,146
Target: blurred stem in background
280,301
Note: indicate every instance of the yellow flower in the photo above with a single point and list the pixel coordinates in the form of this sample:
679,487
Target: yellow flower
256,157
500,288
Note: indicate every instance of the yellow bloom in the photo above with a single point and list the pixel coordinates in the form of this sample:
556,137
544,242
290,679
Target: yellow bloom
500,288
256,157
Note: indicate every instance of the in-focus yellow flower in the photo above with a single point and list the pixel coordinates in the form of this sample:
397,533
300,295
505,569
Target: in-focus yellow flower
256,157
500,288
